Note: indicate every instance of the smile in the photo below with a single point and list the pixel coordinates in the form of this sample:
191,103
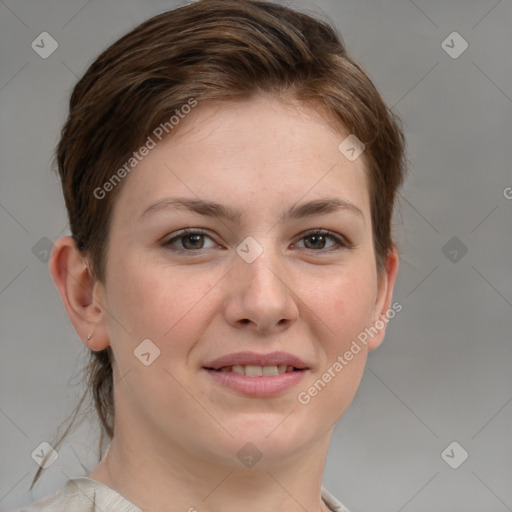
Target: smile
259,385
257,371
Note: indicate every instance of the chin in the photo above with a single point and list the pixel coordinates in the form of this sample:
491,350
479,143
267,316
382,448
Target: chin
274,438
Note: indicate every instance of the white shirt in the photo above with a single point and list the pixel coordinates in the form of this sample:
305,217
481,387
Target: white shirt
82,494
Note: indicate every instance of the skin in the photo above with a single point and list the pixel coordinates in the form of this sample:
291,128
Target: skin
177,431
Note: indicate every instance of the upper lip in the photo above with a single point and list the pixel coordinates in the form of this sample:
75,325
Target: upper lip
253,358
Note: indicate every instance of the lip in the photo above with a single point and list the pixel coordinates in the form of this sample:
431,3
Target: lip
253,358
257,386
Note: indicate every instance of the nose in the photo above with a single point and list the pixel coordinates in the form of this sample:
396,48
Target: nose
261,295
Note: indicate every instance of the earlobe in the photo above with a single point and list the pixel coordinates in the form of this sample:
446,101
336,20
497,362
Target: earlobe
386,285
79,293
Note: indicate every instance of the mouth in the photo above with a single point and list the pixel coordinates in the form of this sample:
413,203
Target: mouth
251,370
253,364
257,375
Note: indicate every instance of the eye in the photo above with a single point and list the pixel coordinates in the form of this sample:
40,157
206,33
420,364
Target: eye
316,240
193,240
189,240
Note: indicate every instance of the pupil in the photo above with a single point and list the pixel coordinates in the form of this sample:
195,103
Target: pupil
316,238
195,237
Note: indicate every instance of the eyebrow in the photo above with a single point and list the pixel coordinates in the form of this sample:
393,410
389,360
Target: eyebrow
212,209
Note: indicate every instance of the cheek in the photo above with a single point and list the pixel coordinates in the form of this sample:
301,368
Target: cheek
157,302
344,307
163,305
342,313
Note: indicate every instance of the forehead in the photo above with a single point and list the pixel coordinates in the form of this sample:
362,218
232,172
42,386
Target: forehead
263,151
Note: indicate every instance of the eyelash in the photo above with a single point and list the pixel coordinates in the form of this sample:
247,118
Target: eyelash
341,243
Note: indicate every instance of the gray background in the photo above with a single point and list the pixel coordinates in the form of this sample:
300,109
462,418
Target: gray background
443,372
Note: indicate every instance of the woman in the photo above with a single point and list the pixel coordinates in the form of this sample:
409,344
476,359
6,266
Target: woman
230,176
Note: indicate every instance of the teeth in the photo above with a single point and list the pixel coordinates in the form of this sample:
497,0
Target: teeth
238,369
253,371
270,370
258,371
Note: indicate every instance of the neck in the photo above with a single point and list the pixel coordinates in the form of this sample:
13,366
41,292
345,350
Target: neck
174,479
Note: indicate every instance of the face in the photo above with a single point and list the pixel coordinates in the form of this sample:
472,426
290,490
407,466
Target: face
257,290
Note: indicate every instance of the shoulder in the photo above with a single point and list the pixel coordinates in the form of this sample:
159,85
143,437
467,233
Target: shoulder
332,502
66,497
83,495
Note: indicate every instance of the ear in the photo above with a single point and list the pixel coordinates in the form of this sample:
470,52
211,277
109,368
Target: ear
386,283
82,296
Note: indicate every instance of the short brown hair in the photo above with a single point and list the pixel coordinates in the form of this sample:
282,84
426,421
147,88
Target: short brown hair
211,50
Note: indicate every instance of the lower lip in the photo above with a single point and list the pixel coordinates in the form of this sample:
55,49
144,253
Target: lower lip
258,386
